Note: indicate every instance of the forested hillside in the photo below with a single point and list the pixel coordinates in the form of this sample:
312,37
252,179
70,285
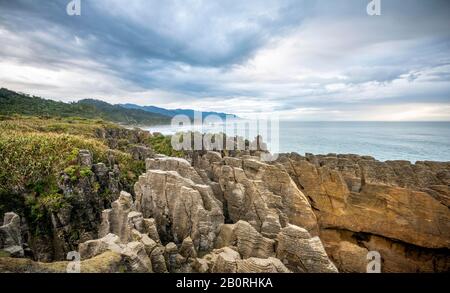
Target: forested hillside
16,103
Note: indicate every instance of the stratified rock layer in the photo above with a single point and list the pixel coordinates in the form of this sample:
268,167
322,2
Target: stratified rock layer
302,253
239,214
180,207
256,192
396,208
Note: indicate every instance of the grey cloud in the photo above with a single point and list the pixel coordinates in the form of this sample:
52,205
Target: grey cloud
212,36
211,51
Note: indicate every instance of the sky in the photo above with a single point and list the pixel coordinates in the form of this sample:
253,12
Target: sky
303,60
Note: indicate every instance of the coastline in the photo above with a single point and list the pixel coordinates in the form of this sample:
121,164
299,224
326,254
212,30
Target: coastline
411,141
231,212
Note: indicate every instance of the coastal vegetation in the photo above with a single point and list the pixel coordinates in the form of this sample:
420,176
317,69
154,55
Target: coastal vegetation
37,153
17,103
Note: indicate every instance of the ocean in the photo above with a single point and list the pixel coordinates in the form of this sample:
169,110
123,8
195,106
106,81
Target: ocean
412,141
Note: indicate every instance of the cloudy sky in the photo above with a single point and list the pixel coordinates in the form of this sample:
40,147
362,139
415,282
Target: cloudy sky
306,60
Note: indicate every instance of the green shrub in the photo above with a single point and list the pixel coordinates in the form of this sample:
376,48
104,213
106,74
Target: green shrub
72,172
76,172
52,202
35,150
28,159
162,144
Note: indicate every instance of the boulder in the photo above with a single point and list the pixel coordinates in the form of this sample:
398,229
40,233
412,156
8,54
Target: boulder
11,235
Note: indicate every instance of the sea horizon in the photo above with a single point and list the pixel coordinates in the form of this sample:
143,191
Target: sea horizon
384,140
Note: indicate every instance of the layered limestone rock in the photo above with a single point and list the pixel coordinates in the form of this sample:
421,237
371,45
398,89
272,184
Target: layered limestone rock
123,220
261,194
182,166
401,203
181,208
134,253
135,238
95,247
108,262
239,214
241,247
302,253
294,246
128,233
259,265
119,219
11,235
349,250
227,260
248,241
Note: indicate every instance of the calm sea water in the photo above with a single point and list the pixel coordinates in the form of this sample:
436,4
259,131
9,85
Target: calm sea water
412,141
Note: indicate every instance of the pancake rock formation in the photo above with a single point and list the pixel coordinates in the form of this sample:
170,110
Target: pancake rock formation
216,212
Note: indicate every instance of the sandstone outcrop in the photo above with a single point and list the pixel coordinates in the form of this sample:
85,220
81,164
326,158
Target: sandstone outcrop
302,253
381,205
188,219
128,233
180,207
261,194
248,241
227,260
133,253
108,262
238,214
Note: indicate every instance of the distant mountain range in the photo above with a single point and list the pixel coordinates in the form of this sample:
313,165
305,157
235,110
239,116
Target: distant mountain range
174,112
22,104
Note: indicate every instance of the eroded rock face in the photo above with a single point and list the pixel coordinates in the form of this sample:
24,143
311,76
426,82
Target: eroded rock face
10,235
126,232
260,265
95,247
227,260
396,204
85,197
294,246
349,251
248,241
119,220
302,253
224,260
297,214
108,262
134,253
261,194
180,207
182,166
